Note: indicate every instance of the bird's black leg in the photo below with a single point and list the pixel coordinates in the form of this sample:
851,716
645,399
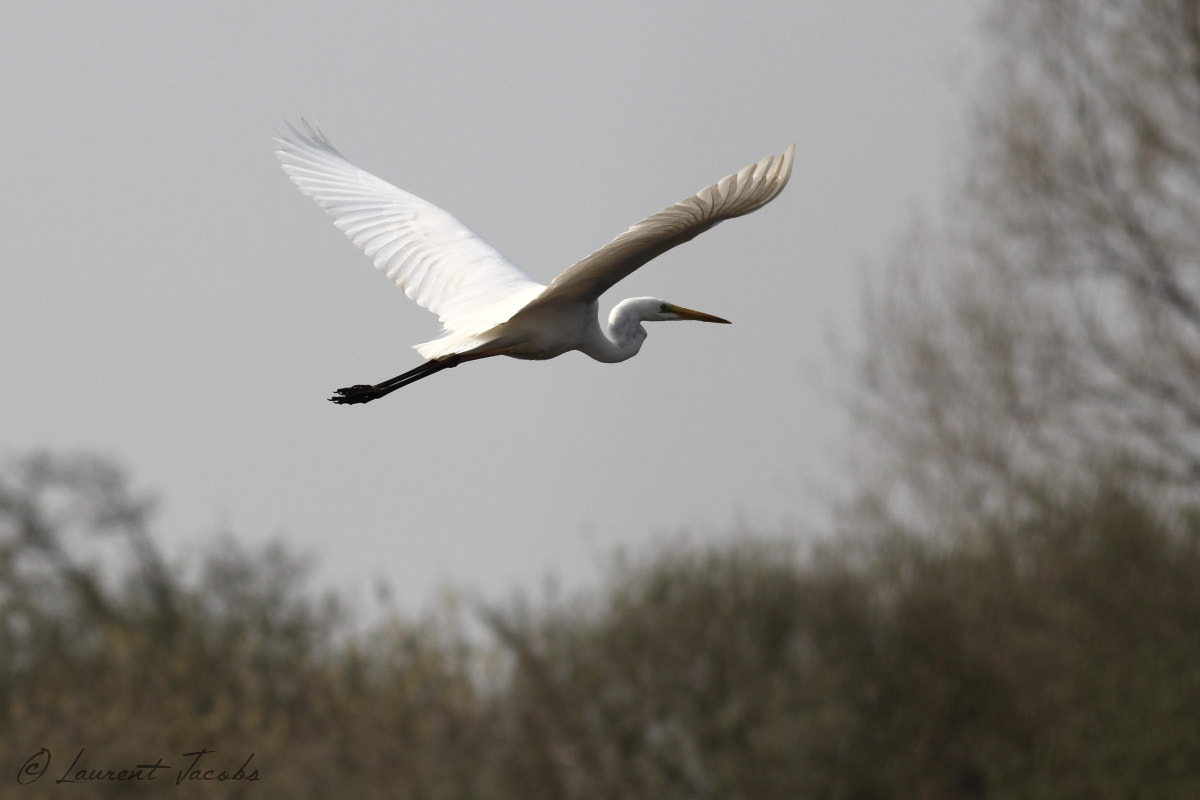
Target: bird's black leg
363,393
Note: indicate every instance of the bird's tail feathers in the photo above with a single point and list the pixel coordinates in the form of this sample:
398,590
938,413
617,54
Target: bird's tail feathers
448,345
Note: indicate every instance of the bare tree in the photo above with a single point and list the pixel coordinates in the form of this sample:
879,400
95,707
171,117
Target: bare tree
1049,326
63,518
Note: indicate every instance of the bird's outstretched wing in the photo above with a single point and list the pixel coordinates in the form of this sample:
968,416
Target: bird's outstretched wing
744,191
438,262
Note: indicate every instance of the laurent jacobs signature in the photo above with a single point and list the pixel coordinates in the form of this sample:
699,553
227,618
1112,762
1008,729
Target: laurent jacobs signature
80,772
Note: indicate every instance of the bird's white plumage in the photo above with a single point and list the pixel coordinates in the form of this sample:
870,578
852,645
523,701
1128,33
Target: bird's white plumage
440,263
487,305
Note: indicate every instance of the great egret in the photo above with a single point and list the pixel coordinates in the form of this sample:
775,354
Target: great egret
488,306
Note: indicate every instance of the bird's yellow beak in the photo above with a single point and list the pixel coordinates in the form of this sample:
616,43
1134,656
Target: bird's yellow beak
698,316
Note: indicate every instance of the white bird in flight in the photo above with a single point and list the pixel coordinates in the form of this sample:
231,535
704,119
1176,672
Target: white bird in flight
487,305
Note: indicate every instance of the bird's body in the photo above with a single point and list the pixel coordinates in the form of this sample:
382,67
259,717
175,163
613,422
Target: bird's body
547,332
489,307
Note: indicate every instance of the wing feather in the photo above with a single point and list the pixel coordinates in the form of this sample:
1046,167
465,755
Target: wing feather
438,262
744,191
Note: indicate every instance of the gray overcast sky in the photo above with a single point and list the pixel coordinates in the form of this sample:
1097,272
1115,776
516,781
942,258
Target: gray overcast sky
172,301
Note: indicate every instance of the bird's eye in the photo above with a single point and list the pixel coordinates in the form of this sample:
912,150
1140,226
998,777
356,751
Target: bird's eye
664,309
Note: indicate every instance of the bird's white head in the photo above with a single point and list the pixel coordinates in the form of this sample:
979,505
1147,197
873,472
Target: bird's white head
651,309
625,331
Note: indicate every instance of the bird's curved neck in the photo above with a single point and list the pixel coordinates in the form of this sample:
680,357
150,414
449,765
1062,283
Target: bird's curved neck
621,339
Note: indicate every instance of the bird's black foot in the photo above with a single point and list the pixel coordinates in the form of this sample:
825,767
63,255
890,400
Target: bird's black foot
362,393
359,393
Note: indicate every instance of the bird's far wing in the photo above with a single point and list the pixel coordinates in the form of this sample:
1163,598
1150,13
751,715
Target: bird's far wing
434,258
740,193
